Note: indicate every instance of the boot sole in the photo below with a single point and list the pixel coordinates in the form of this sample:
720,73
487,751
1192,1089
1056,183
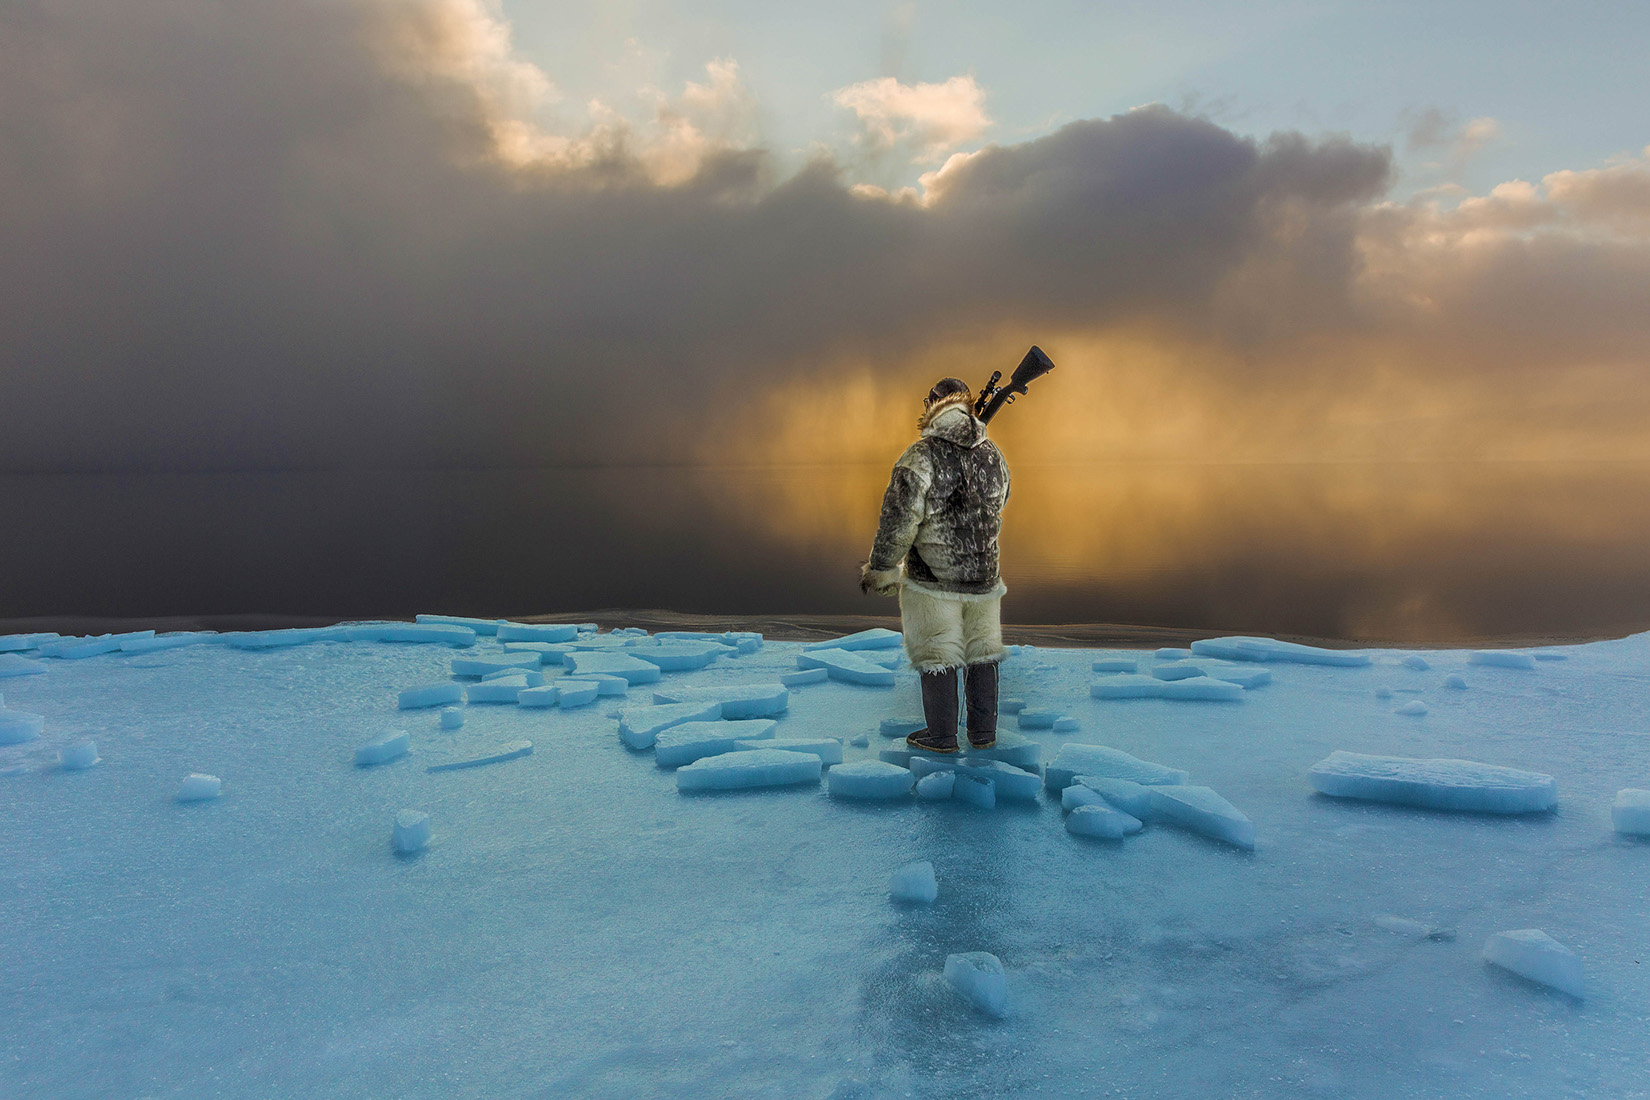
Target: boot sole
929,748
973,744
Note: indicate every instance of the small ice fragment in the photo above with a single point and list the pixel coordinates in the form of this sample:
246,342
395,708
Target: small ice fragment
749,768
572,693
411,832
979,977
869,779
1010,706
510,750
18,726
537,632
1550,655
633,669
915,882
746,646
875,638
1101,820
828,749
1500,658
481,666
381,750
1441,784
1630,813
1132,798
538,698
976,790
639,727
1383,692
199,788
1075,759
1116,664
480,626
847,667
1203,811
452,718
1176,670
1013,784
1269,649
936,786
1172,653
1531,953
79,757
1456,681
1414,709
12,664
900,727
1066,724
1037,719
768,700
1077,795
431,695
805,676
690,741
861,741
1416,661
681,656
1133,686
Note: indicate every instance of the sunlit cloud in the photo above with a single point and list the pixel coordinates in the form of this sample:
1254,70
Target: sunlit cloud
927,120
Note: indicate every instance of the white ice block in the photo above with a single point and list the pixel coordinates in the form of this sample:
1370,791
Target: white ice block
537,632
749,768
1531,953
1134,799
978,976
936,786
381,750
869,779
18,726
828,749
1441,784
199,788
804,677
763,700
504,689
633,669
1500,658
411,831
78,757
545,695
481,666
1269,649
13,664
1100,820
847,667
683,744
915,882
875,638
431,695
1098,760
639,727
1630,813
1203,811
452,718
571,693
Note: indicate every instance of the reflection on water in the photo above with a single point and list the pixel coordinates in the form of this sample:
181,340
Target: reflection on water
1401,552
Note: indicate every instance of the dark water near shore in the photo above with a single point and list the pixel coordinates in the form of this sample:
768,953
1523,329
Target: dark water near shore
1403,553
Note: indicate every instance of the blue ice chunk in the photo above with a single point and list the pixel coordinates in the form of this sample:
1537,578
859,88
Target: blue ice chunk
1101,821
828,749
480,626
1176,670
860,740
769,700
805,676
1098,760
681,656
639,727
1038,719
550,653
904,756
418,633
430,695
1550,655
162,642
1414,709
1531,953
1500,658
411,832
876,638
197,787
607,643
1416,662
1245,678
76,649
605,684
1010,706
1078,795
891,659
1172,653
17,643
1064,724
1630,813
691,636
571,693
452,718
510,750
978,976
381,750
1196,688
748,768
1442,784
18,726
1011,748
481,666
1134,799
78,757
1013,784
533,676
13,665
690,741
976,790
746,646
1203,811
900,727
537,698
847,667
869,779
537,632
282,639
1116,664
613,664
936,786
502,690
1455,681
915,882
1269,649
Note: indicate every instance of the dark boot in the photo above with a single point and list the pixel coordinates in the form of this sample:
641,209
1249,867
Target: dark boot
939,709
980,684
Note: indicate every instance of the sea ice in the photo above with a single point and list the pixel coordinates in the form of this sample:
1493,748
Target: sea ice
538,698
869,779
1135,686
1064,724
411,831
481,666
428,633
1455,681
1383,692
1550,655
1630,813
11,664
1037,719
979,977
160,642
1531,953
1116,664
1098,760
639,727
381,750
681,656
746,646
78,757
936,785
876,638
738,700
847,667
199,788
452,718
1176,670
1078,795
1203,811
690,741
1172,653
537,632
510,750
1101,820
1269,649
18,726
1011,748
502,690
1442,784
900,727
1010,706
804,676
533,676
976,790
282,639
607,685
430,695
16,643
1416,661
915,882
1500,658
1013,784
749,768
633,669
1414,709
76,649
480,626
828,749
860,741
1134,799
571,693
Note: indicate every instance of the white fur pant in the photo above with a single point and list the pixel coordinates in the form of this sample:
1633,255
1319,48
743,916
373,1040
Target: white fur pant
946,630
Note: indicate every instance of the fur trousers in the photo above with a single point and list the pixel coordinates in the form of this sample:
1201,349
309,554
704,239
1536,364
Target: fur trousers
945,631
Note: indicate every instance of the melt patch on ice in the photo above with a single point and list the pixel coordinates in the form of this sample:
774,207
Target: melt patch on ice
1442,784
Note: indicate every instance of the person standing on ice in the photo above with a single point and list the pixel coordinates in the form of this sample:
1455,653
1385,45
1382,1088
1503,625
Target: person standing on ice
936,547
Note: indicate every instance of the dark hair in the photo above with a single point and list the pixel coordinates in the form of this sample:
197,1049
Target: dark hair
945,387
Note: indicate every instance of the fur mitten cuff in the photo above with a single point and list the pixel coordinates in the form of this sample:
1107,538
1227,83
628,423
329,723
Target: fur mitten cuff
884,582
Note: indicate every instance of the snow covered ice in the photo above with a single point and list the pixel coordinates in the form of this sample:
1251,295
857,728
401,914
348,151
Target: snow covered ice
1531,953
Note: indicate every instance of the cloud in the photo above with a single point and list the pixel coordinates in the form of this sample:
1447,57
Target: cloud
929,120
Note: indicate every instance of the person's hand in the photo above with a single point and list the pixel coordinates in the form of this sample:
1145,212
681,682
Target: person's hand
884,582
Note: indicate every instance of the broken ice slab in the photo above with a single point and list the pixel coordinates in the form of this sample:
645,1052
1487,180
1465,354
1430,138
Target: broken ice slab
681,656
1078,795
17,643
804,677
1531,953
1116,664
510,750
976,790
1500,658
199,788
748,768
282,639
1229,671
571,693
936,786
161,642
1102,821
533,676
501,690
1415,661
876,638
1630,813
1011,706
79,757
1269,649
411,832
849,668
1202,811
1013,784
639,727
550,653
1441,784
612,664
605,684
18,726
1134,799
915,882
1414,709
425,633
869,779
1098,760
769,700
1011,748
828,749
537,632
1176,670
978,977
481,666
480,626
430,695
1064,724
539,697
381,750
1455,681
1135,686
1038,719
900,727
683,744
75,649
1171,653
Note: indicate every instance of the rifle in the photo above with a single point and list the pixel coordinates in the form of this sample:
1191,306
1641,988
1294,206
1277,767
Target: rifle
993,397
